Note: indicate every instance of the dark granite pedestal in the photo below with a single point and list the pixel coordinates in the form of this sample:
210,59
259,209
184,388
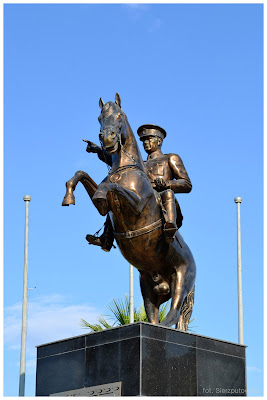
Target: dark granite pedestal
148,360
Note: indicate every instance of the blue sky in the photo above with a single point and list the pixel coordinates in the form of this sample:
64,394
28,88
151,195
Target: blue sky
197,71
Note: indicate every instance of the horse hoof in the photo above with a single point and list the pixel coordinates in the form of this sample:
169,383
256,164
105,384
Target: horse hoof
68,199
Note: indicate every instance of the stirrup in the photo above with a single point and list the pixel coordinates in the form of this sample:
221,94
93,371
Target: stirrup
91,239
99,241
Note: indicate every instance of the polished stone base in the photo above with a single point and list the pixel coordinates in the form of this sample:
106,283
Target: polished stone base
148,360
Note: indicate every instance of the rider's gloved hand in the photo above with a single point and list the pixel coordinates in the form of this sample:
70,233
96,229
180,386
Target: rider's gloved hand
92,147
160,184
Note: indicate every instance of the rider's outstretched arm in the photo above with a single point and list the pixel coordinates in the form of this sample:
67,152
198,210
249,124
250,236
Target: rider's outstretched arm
102,154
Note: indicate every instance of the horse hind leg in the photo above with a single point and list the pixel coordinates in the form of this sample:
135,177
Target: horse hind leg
186,311
178,284
151,299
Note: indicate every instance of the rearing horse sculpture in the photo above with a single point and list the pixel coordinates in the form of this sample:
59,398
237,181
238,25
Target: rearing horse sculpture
166,270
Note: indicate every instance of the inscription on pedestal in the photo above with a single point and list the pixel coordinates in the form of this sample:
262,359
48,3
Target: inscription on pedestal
110,389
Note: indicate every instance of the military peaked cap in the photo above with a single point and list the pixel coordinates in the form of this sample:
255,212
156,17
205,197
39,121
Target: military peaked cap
151,130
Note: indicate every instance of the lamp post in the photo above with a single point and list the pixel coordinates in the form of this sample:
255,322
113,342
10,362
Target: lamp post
27,199
238,201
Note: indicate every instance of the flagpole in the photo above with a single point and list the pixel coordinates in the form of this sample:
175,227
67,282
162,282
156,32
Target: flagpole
238,201
27,199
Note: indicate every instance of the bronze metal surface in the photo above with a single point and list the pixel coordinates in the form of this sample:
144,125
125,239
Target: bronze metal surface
136,196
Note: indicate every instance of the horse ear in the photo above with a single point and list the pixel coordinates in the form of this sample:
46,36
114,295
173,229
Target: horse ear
118,100
101,103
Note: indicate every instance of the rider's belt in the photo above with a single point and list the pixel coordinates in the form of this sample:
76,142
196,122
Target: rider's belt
138,232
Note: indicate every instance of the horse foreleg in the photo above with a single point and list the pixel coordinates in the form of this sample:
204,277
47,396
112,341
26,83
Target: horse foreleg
88,183
150,298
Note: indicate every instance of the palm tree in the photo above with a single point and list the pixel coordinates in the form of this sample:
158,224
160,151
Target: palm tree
121,315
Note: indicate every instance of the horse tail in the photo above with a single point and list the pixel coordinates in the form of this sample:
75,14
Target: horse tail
186,311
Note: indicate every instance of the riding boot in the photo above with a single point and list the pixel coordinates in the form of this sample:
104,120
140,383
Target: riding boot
105,241
170,226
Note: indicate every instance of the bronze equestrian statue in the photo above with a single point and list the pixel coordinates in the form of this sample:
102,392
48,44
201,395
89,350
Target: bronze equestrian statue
165,262
167,175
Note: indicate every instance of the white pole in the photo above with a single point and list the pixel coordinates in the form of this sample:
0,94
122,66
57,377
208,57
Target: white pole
131,300
27,199
238,201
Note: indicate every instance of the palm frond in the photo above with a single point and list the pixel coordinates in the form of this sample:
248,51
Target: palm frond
121,315
190,329
104,323
120,310
94,328
141,315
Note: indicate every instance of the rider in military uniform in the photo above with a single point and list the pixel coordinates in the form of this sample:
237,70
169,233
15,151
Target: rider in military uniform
167,175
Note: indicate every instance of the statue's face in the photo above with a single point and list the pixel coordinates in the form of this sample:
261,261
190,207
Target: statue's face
151,144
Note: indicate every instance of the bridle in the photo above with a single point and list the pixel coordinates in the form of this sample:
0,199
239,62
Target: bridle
123,149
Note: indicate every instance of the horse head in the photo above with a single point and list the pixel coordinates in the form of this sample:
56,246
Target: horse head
113,125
